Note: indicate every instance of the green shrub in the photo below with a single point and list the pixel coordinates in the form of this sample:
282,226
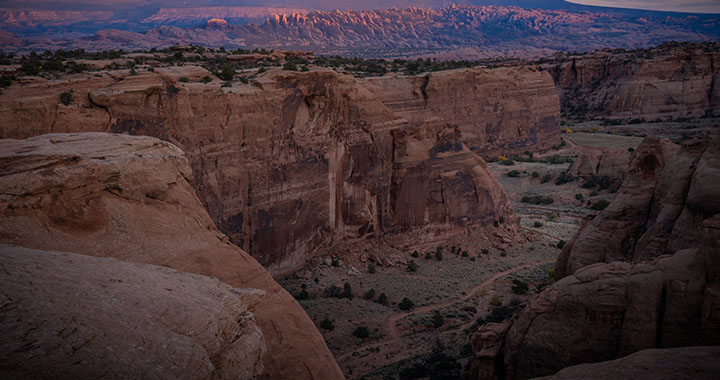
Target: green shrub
303,295
382,299
513,173
495,301
485,251
370,294
519,287
406,304
465,254
561,244
347,291
335,263
227,72
537,224
206,79
371,269
538,200
437,320
579,196
496,224
546,178
415,254
327,324
227,84
428,255
184,79
438,253
333,291
503,254
501,219
535,174
412,266
600,205
291,66
564,178
361,332
67,97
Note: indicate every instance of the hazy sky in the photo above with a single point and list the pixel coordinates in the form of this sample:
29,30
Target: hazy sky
705,6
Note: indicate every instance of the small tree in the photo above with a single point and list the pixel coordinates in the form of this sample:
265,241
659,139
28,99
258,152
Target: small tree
438,320
371,269
347,291
303,295
415,254
428,255
227,72
206,79
370,294
382,299
327,324
406,304
438,253
335,263
495,301
291,66
561,244
412,266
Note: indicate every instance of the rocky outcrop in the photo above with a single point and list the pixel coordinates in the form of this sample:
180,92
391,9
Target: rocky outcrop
670,81
131,198
89,317
607,163
689,363
668,192
295,161
642,274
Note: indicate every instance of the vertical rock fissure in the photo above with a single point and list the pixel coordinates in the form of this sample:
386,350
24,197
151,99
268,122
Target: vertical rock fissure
660,318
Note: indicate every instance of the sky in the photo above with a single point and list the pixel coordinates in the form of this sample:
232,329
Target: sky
695,6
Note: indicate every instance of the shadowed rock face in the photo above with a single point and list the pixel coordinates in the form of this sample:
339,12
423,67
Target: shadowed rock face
668,192
689,363
668,81
88,317
299,160
642,274
130,198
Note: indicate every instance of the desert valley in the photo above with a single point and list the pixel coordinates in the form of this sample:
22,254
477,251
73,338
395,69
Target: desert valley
309,199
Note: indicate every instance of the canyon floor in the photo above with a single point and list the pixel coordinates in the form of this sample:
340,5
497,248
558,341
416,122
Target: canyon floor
464,288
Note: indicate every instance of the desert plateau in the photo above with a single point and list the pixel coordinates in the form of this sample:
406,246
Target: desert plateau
301,189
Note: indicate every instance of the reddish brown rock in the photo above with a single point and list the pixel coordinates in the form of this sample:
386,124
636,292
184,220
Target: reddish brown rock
68,316
602,163
131,198
688,363
670,81
487,346
296,161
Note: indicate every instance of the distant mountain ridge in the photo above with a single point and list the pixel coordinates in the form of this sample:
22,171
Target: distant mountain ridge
475,31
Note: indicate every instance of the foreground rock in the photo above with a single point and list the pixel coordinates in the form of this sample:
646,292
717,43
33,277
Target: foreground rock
690,363
90,317
295,161
131,198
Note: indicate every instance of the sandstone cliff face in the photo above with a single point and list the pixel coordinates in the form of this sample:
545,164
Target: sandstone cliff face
295,161
131,198
689,363
668,81
668,192
642,274
69,316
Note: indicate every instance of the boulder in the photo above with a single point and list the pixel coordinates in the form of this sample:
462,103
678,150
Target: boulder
69,316
131,198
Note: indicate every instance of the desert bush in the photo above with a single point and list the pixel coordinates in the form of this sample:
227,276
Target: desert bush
382,299
485,251
535,174
465,254
303,295
206,79
538,200
495,301
333,291
327,324
519,287
561,244
406,304
513,173
371,269
564,178
347,291
546,178
184,79
370,294
291,66
537,224
412,266
428,255
67,97
438,253
227,72
600,205
361,332
437,320
335,263
415,254
579,196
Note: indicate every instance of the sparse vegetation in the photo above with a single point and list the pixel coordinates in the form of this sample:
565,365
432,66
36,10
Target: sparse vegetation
67,97
600,205
538,200
327,324
361,332
412,266
406,304
519,286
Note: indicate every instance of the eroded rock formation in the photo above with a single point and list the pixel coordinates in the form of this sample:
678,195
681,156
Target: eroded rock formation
650,281
131,198
670,81
68,316
295,161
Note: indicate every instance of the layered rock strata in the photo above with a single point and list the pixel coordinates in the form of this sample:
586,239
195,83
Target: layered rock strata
131,198
295,161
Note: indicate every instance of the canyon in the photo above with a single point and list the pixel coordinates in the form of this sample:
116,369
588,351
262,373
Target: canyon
168,183
325,156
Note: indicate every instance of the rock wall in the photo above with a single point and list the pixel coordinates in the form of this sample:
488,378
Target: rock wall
670,81
642,274
659,209
131,198
68,316
295,161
